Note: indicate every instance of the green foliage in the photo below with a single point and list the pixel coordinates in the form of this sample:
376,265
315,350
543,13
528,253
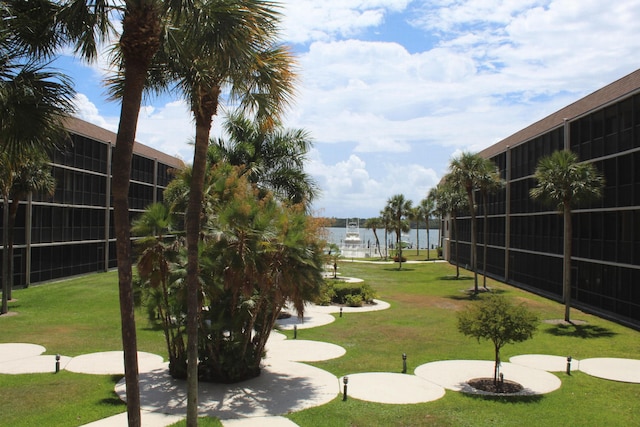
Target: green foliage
497,320
344,293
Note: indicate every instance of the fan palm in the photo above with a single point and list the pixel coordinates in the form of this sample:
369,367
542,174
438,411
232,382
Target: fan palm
563,182
465,172
399,209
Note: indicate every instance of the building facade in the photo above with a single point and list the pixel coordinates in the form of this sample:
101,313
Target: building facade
72,232
525,238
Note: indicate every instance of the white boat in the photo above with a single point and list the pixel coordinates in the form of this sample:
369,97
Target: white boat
352,245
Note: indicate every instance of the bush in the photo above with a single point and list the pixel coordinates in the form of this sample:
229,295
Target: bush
351,294
397,259
353,300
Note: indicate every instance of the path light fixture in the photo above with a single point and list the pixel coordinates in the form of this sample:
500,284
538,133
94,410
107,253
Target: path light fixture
295,331
569,365
57,363
340,311
404,363
345,381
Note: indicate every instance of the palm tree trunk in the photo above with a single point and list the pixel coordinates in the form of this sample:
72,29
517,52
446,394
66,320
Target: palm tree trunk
455,232
484,251
5,255
474,242
13,211
418,237
139,42
208,104
566,268
428,240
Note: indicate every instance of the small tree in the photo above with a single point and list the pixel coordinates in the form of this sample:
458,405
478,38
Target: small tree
499,321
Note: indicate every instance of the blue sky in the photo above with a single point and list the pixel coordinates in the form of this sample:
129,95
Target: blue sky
391,90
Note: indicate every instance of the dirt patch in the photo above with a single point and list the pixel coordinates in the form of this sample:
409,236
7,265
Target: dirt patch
9,314
429,301
498,387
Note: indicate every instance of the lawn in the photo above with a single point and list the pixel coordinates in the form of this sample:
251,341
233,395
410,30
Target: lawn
81,315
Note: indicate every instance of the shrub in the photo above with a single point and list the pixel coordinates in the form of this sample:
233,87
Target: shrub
351,294
397,258
353,300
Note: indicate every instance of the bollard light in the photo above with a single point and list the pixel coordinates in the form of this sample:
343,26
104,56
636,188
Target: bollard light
57,363
295,331
340,311
404,363
569,365
345,381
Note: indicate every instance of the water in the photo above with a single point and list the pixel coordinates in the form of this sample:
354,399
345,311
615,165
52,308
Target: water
337,234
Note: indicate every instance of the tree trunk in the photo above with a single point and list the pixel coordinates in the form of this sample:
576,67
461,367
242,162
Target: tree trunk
13,211
428,240
455,232
566,268
474,249
497,364
5,255
418,238
139,42
484,252
203,117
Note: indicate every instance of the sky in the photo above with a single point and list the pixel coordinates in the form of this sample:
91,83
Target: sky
391,90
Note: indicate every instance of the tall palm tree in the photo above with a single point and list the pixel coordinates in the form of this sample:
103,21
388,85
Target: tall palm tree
218,46
414,215
465,173
33,175
563,182
425,209
374,224
488,183
33,101
399,210
450,200
386,217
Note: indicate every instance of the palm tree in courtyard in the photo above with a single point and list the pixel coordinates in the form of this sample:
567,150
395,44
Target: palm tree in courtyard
424,210
399,210
33,102
222,46
450,200
488,183
374,224
465,172
563,182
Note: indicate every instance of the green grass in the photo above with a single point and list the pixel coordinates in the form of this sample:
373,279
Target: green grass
81,315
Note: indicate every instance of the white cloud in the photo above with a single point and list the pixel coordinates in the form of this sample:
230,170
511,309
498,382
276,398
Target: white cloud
386,117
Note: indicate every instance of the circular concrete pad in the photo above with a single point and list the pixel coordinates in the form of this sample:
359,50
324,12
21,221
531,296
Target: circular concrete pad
33,365
111,363
611,368
13,351
259,421
303,350
282,387
310,320
545,362
384,387
454,374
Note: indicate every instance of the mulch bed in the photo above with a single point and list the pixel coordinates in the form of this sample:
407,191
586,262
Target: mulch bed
487,384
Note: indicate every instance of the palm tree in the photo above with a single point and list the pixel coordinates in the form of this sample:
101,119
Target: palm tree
451,200
425,209
465,173
414,215
244,58
489,182
563,182
374,224
399,209
273,157
33,102
387,220
33,175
